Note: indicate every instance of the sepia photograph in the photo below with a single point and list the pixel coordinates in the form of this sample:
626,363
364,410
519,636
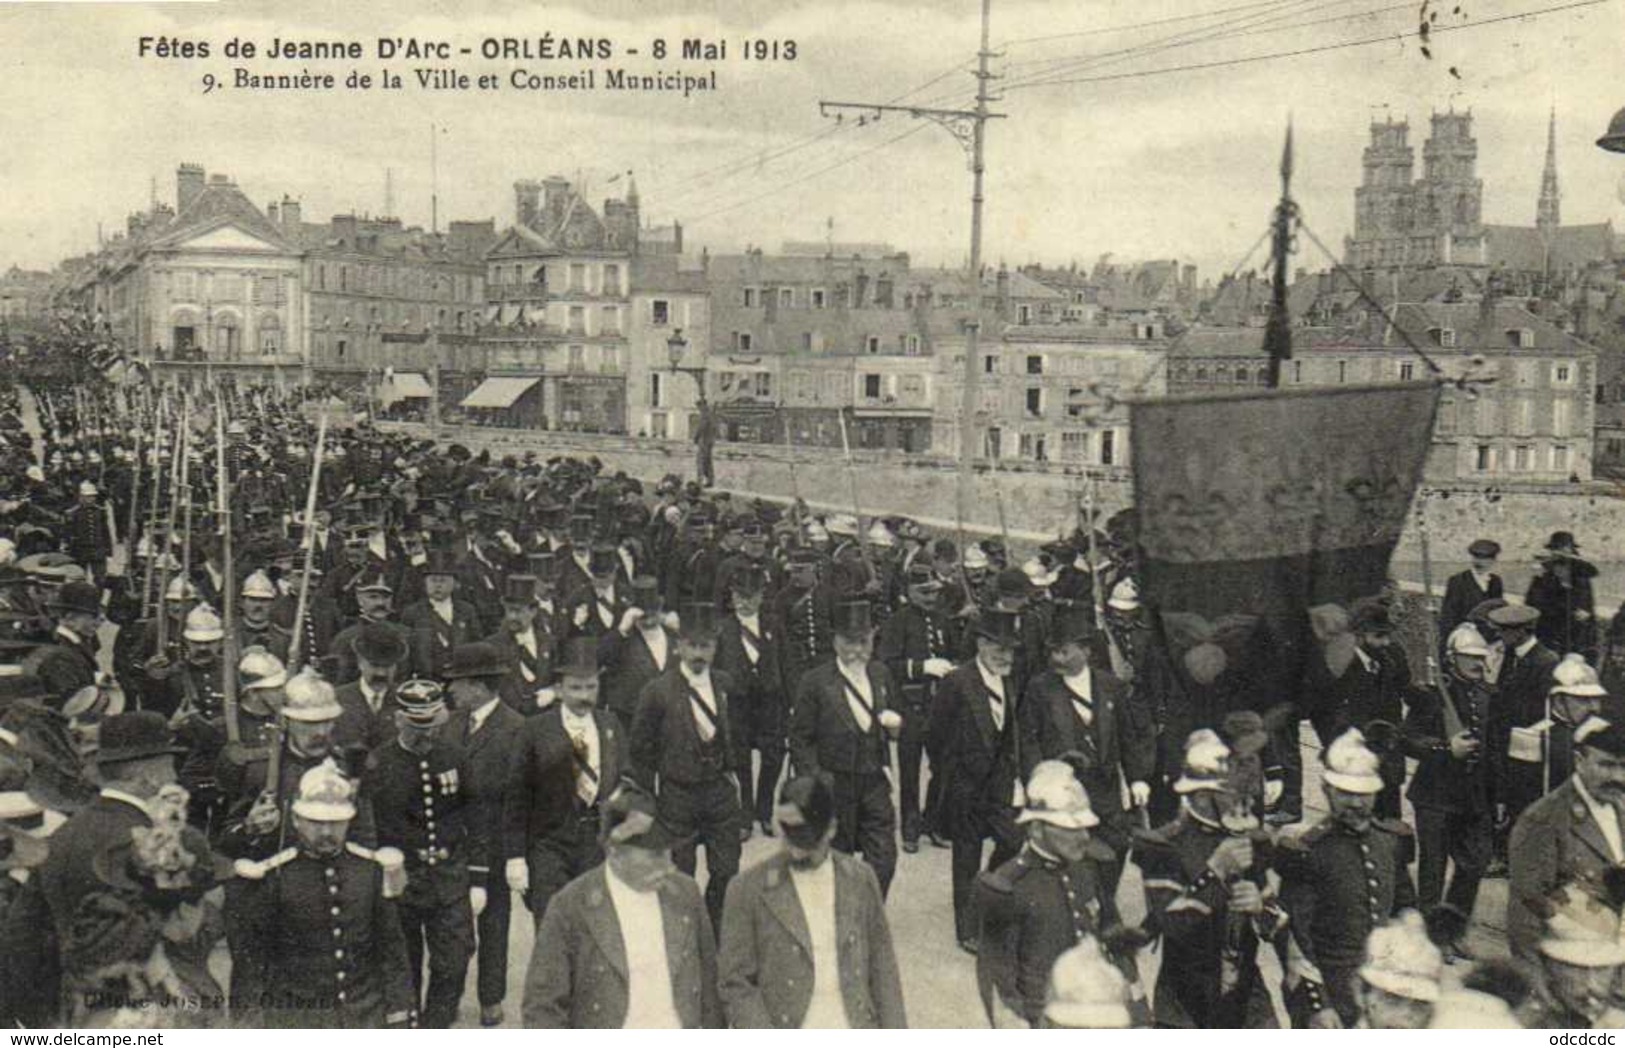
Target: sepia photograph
880,514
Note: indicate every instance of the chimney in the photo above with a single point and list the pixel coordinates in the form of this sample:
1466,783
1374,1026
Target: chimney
554,192
290,215
188,184
526,194
1002,288
271,213
346,228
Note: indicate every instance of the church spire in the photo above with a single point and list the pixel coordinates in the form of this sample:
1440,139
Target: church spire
1548,215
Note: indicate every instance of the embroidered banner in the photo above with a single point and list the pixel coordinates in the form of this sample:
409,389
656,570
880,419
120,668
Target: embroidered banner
1269,503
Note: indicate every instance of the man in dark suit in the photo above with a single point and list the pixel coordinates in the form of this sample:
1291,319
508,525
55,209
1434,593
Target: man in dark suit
1468,589
601,606
1514,746
69,663
750,649
1572,833
1371,689
1079,712
567,762
627,945
784,919
573,561
135,761
681,746
490,733
441,621
974,728
638,653
527,644
1562,594
369,700
841,724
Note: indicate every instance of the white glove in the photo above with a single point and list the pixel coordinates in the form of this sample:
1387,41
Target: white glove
935,667
669,620
629,620
545,697
476,899
1273,788
581,615
1139,793
517,873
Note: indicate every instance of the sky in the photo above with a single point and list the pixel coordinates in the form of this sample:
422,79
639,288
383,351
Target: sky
1152,164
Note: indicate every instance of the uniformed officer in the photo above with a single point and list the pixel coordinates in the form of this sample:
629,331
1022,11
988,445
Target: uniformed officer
416,785
842,723
1467,589
1043,902
750,649
803,608
89,540
918,645
1339,880
1207,894
321,944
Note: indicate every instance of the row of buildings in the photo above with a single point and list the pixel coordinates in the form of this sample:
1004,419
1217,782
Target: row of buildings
589,318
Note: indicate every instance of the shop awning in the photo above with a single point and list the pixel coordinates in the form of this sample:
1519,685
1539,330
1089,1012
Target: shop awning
498,392
411,384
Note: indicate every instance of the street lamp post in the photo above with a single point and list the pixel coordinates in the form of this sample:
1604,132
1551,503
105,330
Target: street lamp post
705,439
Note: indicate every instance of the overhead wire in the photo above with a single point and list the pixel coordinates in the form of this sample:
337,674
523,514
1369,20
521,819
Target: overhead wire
1431,30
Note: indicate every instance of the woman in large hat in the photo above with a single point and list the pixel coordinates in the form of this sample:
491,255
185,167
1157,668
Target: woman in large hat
1562,595
137,949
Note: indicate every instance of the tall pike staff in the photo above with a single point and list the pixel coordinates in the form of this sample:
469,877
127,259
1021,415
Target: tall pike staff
178,503
228,598
154,530
302,608
857,512
1122,669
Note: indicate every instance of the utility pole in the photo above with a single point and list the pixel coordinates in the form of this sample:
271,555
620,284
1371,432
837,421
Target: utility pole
1278,333
969,128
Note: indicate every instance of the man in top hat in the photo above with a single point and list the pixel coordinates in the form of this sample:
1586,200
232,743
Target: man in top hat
135,760
641,648
527,642
1451,791
569,760
750,649
628,944
320,943
1046,900
1466,590
482,573
805,941
1580,955
1574,832
1340,879
600,607
573,561
1077,711
1400,979
69,662
681,746
255,626
842,722
416,785
918,644
1207,896
1523,683
442,620
975,731
368,701
375,598
88,537
751,557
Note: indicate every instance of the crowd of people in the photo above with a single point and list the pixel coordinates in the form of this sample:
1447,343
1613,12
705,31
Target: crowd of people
366,694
